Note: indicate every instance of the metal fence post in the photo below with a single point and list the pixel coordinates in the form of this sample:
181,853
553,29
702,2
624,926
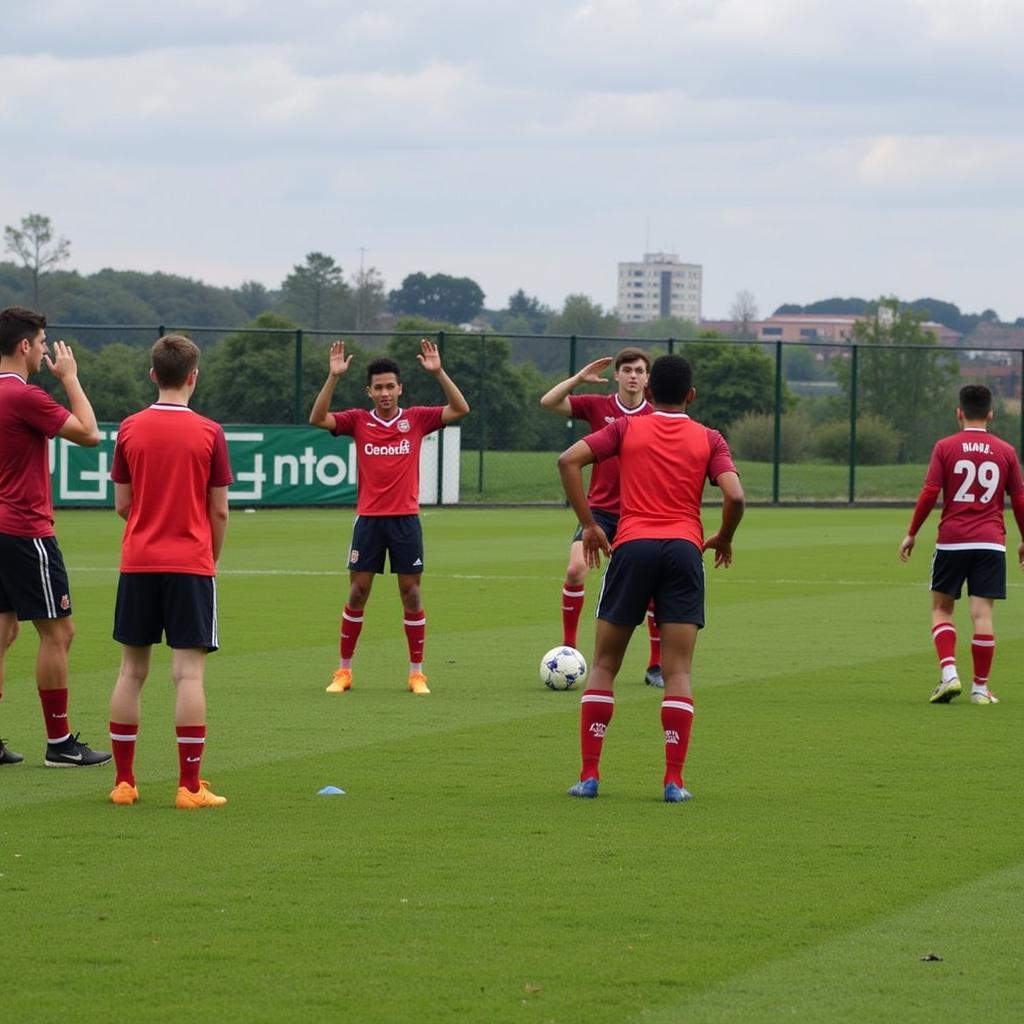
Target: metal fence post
1021,449
482,415
777,442
440,437
671,345
297,410
853,424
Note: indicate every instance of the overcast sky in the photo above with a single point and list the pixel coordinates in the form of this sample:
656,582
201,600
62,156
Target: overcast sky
796,148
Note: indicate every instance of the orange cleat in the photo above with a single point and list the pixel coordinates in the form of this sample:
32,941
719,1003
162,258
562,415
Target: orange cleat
340,681
418,683
124,794
186,800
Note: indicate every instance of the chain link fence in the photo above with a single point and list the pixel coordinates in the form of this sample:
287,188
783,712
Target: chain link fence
807,422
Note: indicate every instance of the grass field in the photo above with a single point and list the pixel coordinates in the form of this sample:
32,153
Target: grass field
842,828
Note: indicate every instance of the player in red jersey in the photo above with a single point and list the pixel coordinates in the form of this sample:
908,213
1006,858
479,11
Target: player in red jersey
387,440
657,555
171,475
974,470
33,580
632,369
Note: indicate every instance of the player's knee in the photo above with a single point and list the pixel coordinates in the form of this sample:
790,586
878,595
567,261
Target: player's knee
58,633
8,634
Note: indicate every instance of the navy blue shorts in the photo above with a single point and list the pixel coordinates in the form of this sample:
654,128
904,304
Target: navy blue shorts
669,572
608,521
178,604
983,571
33,580
400,537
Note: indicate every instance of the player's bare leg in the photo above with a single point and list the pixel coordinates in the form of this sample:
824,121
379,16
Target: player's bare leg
125,715
678,640
598,702
8,633
359,587
944,638
983,649
414,621
188,666
573,592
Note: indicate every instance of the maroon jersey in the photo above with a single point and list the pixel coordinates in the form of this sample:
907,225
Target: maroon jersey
171,456
975,471
388,456
678,453
29,417
599,411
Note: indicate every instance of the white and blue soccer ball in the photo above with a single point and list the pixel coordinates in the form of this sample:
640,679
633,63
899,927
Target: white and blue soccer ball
562,668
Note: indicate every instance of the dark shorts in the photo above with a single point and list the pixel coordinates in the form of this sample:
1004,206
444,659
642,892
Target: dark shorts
400,537
671,572
178,604
608,521
33,580
983,571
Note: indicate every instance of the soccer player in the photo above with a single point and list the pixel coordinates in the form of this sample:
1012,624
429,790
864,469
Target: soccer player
632,368
171,475
974,470
33,580
387,440
657,555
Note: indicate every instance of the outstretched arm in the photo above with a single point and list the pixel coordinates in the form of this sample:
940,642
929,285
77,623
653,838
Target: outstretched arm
734,503
430,360
557,399
320,414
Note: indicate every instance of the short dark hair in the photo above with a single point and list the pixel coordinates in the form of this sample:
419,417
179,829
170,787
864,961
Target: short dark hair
16,323
975,401
174,358
671,380
631,355
382,365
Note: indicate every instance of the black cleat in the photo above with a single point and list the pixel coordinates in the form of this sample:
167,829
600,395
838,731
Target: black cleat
653,677
74,754
9,756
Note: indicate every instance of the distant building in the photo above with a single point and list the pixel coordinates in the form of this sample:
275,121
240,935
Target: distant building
658,287
830,328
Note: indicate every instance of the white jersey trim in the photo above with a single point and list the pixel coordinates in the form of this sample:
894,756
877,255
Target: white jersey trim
626,411
170,407
979,545
672,415
11,373
387,423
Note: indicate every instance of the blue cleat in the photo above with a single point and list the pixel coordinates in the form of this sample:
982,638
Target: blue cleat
586,788
653,677
676,794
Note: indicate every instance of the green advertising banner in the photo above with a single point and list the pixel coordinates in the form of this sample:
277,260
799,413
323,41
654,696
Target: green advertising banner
272,465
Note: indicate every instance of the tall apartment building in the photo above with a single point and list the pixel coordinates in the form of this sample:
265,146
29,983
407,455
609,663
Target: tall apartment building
660,286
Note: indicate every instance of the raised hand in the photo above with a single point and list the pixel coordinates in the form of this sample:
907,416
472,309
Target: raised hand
63,365
593,372
429,357
338,360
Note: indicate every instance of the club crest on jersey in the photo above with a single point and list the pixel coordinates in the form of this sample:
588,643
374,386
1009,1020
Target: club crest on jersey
353,556
403,426
609,419
65,603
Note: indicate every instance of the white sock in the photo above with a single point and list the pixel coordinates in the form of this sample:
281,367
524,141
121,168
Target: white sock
949,673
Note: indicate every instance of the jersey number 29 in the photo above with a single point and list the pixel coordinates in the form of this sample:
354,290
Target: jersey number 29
985,473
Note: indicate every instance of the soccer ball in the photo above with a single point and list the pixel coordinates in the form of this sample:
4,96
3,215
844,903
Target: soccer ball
562,668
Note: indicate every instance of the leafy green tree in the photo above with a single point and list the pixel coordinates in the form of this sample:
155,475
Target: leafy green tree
254,298
582,316
665,327
438,297
315,294
529,311
33,243
369,299
910,387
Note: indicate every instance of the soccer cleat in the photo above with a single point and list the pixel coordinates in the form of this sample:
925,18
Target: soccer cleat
72,753
945,692
653,677
586,788
124,794
186,800
418,683
986,697
9,756
676,794
340,681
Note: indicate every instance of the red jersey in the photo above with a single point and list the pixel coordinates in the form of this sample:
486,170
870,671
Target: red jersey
171,456
975,470
388,456
29,417
674,454
599,411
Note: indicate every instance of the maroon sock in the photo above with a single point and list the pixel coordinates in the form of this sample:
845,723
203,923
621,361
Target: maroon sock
983,650
596,710
572,608
655,637
415,625
349,630
122,741
191,743
677,721
55,714
944,638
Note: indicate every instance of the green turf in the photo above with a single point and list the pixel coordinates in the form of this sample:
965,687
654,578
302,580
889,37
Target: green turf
842,828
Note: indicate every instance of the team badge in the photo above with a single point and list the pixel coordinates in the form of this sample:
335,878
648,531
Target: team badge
65,603
353,556
609,419
403,426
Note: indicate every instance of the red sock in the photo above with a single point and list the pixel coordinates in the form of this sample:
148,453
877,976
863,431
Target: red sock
983,649
415,635
572,608
122,741
596,709
944,638
55,714
350,628
191,742
677,721
655,635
